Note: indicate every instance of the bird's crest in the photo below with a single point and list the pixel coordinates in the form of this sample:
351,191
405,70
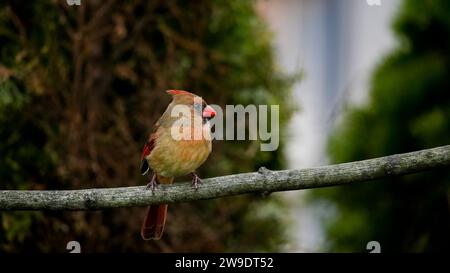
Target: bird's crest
179,92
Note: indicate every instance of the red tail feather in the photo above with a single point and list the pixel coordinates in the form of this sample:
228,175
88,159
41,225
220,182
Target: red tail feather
153,226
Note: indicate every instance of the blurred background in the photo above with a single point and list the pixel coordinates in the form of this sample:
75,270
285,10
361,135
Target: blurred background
81,86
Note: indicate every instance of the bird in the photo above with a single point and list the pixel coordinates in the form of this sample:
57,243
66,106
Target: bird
170,153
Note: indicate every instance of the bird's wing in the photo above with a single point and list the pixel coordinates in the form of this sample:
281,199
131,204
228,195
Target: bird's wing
164,122
148,148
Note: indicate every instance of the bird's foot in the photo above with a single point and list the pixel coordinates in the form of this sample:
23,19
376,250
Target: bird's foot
152,184
195,180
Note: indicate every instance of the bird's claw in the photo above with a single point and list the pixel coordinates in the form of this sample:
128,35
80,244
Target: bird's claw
195,181
152,185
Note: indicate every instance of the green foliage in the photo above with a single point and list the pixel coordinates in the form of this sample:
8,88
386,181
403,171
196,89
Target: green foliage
409,109
22,159
80,89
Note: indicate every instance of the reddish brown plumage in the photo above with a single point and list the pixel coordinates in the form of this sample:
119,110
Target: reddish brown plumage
179,92
148,147
168,157
154,221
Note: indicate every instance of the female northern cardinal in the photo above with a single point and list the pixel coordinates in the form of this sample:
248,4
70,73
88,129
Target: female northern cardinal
168,155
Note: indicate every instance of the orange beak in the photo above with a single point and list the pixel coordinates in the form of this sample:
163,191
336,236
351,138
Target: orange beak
208,112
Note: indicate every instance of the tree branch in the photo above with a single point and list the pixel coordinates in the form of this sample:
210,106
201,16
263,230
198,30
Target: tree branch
263,181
